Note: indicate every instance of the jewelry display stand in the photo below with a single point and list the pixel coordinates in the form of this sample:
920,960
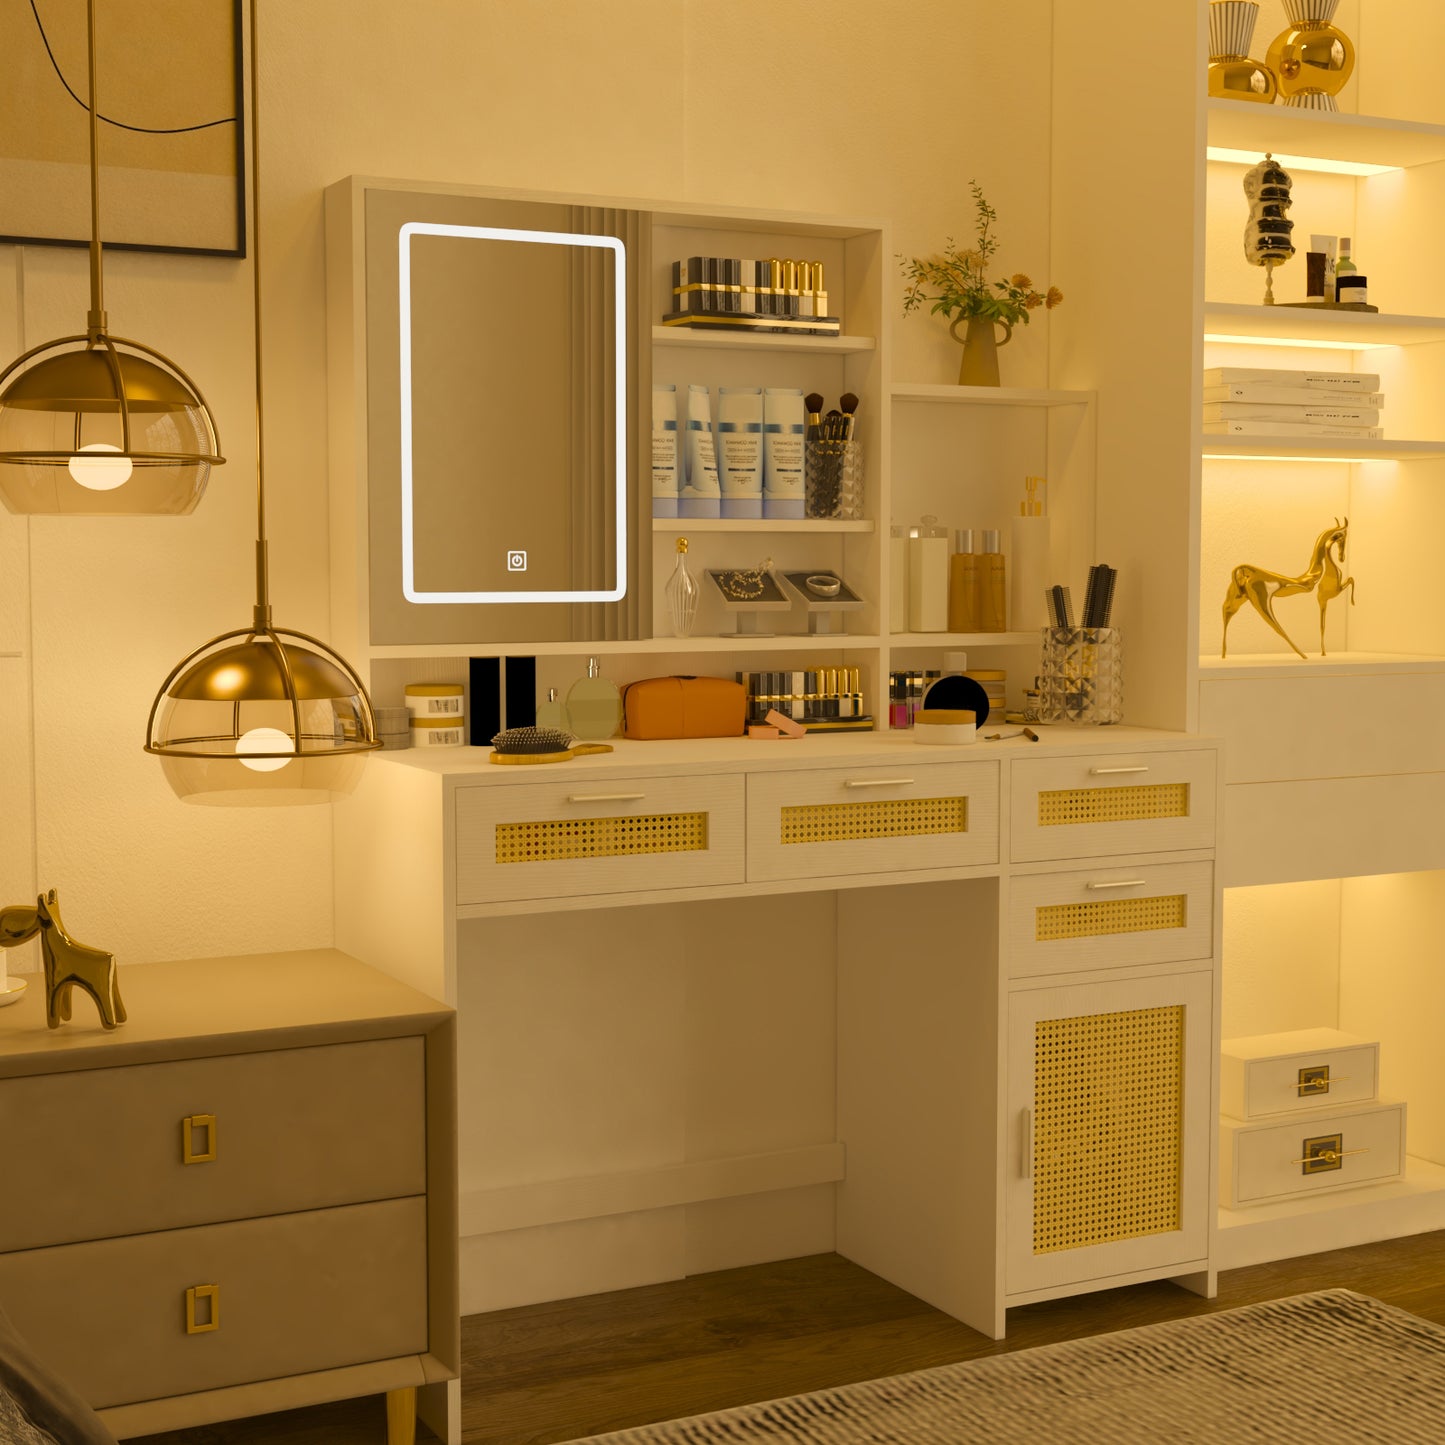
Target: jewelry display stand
826,596
747,593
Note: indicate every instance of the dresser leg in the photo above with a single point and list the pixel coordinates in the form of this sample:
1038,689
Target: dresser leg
401,1416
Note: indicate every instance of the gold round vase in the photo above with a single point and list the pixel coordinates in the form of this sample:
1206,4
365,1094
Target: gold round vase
1312,59
1232,74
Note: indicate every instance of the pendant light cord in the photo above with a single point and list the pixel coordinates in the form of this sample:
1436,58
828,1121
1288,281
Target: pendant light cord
263,600
95,322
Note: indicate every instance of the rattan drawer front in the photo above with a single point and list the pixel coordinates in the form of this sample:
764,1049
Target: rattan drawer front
872,819
1261,1162
293,1293
1299,1072
1110,917
101,1151
585,836
1122,803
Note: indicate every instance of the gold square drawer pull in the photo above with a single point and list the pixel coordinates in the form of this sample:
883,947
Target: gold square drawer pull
1316,1079
192,1125
1324,1154
203,1308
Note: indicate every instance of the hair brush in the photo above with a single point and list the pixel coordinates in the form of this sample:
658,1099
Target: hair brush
540,745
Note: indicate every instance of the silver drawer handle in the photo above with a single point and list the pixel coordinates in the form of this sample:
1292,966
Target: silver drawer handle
604,797
1122,883
877,782
1101,772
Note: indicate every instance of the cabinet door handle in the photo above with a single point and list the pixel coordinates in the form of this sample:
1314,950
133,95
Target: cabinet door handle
1104,772
189,1153
1121,883
877,782
211,1295
605,797
1026,1144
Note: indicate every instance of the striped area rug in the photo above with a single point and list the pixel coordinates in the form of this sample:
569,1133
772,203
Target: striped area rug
1334,1366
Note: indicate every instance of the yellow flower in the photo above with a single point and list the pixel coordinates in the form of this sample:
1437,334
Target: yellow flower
1032,300
1019,280
1053,298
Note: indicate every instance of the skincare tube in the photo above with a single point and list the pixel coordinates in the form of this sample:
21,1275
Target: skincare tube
698,497
740,450
1327,244
782,451
664,449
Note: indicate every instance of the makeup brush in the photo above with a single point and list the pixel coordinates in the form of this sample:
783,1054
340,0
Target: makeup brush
814,402
849,403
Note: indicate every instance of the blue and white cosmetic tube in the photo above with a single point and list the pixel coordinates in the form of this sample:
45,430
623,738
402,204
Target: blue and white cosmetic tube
698,496
740,450
782,451
664,449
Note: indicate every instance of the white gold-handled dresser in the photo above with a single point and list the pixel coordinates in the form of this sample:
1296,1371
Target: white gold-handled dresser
242,1200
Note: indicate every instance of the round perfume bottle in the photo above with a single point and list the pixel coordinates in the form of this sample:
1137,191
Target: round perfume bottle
682,594
594,705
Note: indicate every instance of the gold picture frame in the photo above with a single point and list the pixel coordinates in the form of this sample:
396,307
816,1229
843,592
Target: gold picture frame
171,140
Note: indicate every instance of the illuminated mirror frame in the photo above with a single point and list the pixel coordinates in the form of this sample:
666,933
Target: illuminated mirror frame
619,275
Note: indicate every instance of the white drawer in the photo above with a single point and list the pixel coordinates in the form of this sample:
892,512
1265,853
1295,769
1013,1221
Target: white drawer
1262,1162
597,835
1302,1071
1110,917
872,819
1090,807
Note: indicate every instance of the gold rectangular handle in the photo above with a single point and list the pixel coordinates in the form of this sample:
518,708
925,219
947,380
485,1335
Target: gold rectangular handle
189,1125
1122,883
1026,1144
1104,772
209,1296
877,782
605,797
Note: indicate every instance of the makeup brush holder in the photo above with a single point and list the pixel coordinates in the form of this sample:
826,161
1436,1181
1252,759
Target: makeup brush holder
833,480
1081,679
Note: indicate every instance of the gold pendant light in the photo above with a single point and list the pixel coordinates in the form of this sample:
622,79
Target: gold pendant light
261,715
97,424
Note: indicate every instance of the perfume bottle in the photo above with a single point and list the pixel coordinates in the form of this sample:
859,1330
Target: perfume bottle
552,713
682,594
594,705
992,584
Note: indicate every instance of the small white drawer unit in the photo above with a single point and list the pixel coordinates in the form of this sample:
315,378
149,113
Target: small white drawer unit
1269,1160
1303,1070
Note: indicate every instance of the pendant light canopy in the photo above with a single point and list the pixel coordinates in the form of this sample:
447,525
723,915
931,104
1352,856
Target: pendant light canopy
94,424
261,715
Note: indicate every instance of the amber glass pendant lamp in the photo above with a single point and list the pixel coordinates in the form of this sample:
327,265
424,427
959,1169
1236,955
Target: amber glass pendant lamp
96,424
261,715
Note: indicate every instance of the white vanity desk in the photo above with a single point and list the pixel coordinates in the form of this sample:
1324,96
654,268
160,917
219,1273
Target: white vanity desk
869,977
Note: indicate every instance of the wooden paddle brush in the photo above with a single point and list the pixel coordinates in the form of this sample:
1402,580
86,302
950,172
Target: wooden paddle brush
540,745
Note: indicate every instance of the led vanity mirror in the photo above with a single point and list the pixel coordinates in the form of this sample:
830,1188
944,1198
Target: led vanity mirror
504,359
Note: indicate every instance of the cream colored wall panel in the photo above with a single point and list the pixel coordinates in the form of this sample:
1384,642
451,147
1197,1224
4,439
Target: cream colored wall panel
1336,828
1110,918
1089,807
872,819
757,1228
1283,729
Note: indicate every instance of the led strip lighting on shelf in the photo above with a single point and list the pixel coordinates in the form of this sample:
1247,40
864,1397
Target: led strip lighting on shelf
1299,163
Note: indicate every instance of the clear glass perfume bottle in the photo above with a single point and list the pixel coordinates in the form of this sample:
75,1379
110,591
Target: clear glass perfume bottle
682,594
594,705
552,713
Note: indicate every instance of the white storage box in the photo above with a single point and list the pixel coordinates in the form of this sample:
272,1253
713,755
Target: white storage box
1305,1069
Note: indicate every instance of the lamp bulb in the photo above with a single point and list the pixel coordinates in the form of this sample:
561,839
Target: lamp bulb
101,467
264,740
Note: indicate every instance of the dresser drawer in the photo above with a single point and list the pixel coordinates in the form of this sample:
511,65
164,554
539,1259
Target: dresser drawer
293,1293
101,1152
597,835
1301,1071
1262,1162
1110,917
1091,807
872,819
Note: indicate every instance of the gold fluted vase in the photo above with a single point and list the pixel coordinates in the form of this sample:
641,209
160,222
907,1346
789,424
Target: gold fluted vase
1232,74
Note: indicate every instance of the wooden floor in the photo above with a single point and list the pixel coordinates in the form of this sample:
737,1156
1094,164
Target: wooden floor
553,1372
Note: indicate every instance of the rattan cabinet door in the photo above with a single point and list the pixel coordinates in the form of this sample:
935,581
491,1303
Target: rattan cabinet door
1109,1087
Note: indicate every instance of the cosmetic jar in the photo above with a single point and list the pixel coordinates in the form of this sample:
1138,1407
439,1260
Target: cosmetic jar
941,726
435,699
438,732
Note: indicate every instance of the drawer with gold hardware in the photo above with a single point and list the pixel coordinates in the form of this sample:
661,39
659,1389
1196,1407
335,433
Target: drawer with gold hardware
1269,1160
597,835
106,1152
874,819
1090,807
183,1310
1303,1070
1110,918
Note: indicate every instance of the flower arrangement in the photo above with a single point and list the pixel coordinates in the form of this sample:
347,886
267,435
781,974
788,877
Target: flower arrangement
957,284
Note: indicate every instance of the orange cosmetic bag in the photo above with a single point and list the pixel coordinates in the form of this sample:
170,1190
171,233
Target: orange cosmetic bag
684,707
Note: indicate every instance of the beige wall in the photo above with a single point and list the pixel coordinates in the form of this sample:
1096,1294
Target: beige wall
870,108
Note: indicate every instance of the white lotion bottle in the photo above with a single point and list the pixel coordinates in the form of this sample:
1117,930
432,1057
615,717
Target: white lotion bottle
928,577
698,496
739,431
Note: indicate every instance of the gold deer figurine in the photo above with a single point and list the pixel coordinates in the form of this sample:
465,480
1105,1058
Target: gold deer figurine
1259,586
68,964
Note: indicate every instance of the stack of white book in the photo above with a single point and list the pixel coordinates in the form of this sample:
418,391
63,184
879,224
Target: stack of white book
1244,401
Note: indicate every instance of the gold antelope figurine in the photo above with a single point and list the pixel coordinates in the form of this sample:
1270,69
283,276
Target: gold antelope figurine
1259,586
68,964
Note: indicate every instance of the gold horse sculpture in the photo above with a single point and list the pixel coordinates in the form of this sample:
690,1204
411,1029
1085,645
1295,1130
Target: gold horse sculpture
68,965
1260,587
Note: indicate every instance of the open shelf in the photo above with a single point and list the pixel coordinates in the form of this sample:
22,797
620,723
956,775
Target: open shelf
683,336
786,642
962,639
987,395
818,525
1301,324
1340,664
1373,140
1329,449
